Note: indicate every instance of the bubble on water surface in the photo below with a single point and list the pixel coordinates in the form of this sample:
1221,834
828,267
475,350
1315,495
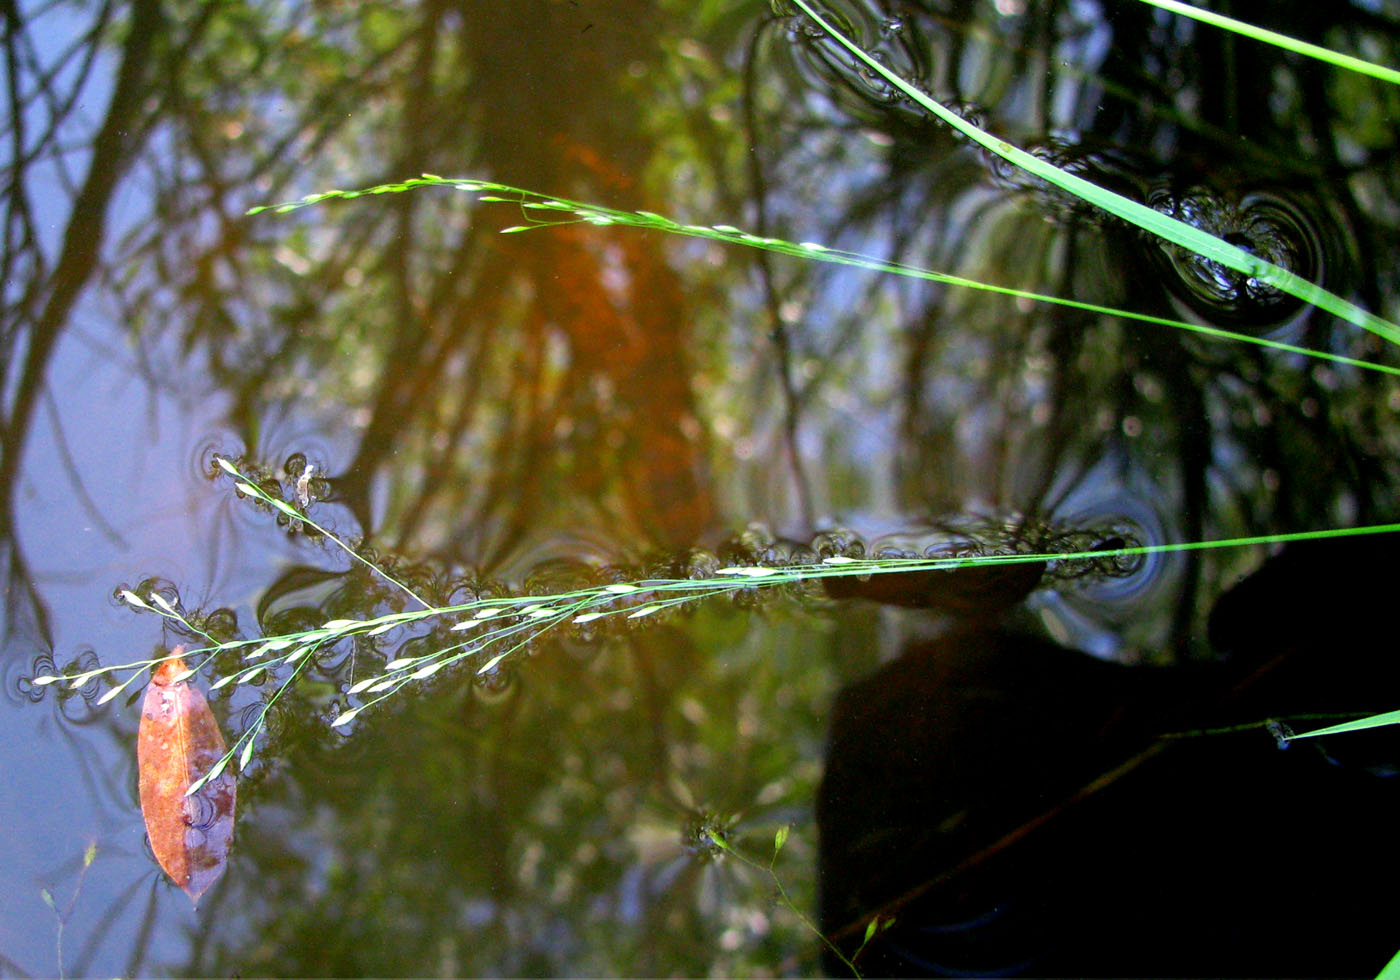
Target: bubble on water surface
1112,605
1285,230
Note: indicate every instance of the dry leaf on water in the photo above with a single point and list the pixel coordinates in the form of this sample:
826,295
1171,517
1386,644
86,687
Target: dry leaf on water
179,741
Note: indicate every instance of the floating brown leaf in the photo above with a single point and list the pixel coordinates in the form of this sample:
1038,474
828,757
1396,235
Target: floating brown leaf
179,741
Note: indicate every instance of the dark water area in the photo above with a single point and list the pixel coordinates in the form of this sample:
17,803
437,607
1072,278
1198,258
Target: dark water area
1040,769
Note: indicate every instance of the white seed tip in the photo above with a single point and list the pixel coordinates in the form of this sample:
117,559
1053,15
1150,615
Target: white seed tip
225,465
620,589
345,718
110,694
43,679
838,560
588,617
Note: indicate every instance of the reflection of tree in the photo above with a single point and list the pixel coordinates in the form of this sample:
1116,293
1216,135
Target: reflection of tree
486,375
40,292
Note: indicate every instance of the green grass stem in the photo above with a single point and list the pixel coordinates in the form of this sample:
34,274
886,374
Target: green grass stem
1350,63
717,837
1360,724
89,855
536,206
253,490
1177,232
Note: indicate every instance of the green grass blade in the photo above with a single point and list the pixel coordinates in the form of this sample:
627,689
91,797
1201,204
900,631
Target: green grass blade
1359,725
1279,40
1391,971
1140,215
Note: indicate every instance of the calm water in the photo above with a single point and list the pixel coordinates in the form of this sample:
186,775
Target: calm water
518,412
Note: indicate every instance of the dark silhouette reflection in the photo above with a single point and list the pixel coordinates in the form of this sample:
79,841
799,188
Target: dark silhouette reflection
1020,808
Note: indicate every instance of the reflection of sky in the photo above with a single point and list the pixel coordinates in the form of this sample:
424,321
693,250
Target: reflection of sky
50,178
107,493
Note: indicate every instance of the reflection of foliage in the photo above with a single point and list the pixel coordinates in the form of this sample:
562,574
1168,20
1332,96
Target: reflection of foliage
509,829
61,917
713,834
512,368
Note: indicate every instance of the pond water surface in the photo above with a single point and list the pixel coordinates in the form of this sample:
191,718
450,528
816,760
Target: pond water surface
1067,773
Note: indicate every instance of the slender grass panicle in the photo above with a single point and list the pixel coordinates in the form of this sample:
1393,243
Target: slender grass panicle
544,211
485,631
